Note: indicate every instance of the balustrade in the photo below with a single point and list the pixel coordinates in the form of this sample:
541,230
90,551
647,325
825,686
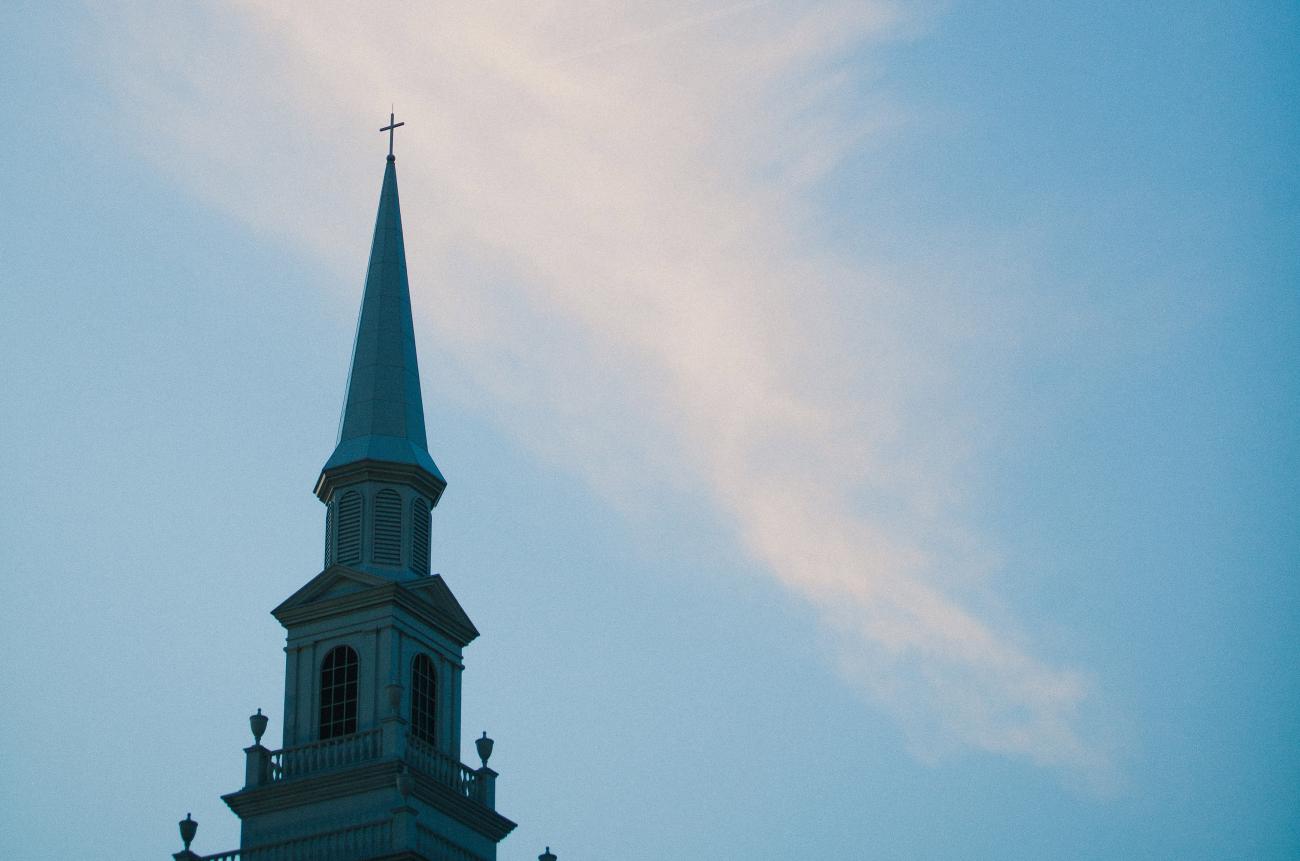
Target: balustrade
444,769
372,839
307,759
321,755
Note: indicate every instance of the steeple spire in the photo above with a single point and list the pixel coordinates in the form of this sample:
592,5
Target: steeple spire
381,451
383,415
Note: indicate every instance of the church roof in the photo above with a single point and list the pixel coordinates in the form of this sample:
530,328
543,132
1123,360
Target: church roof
383,414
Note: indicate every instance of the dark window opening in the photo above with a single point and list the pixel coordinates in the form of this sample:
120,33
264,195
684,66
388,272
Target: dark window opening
338,693
424,699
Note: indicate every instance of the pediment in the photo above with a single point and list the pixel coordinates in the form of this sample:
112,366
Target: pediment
429,596
334,582
436,591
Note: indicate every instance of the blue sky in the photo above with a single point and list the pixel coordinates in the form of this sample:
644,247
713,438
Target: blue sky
870,429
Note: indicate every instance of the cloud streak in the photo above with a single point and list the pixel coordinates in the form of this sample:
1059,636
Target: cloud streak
630,192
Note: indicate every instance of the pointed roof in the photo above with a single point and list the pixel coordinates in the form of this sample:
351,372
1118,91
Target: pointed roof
383,415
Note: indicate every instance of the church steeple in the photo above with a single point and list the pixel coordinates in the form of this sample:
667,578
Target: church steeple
381,481
370,766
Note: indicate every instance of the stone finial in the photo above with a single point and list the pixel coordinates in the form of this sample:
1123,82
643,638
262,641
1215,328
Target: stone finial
188,829
548,855
484,746
258,724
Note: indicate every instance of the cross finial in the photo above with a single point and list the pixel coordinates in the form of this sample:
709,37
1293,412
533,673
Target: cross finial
390,128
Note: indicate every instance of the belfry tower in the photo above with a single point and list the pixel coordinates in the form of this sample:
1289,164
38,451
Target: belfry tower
370,767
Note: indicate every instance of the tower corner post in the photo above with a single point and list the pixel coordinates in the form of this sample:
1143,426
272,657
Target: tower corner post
257,766
487,787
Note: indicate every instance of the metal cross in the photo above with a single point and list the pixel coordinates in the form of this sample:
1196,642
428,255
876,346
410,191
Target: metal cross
390,128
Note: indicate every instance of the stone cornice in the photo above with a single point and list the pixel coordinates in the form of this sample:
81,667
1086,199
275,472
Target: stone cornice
288,794
482,819
323,786
379,471
389,593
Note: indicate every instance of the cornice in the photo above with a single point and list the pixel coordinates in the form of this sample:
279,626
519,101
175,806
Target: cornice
324,786
482,819
313,789
386,472
391,593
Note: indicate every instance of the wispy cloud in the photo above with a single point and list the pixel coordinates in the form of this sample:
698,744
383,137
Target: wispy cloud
627,187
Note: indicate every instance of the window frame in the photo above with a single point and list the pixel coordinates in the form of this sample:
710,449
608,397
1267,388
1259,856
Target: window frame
424,699
338,693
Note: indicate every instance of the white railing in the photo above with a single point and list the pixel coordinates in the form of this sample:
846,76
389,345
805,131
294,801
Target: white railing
330,753
368,746
355,843
443,769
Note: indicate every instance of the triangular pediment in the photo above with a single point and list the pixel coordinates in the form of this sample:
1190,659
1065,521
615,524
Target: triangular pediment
436,591
334,582
428,595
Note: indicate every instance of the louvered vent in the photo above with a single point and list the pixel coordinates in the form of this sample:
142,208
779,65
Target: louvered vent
420,537
388,528
349,528
329,534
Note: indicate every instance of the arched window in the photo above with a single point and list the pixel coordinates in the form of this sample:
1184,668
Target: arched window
338,693
424,699
420,536
349,528
388,528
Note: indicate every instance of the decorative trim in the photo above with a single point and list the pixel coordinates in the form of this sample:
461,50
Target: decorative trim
403,594
380,471
366,778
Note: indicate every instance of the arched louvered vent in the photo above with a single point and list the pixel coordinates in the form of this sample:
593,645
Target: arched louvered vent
349,528
424,699
420,536
388,528
329,534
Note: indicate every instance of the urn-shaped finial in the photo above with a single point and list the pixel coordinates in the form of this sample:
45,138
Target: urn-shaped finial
548,855
188,828
258,724
484,746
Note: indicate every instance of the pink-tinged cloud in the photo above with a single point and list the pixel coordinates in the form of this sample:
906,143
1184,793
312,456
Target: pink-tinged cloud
627,188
